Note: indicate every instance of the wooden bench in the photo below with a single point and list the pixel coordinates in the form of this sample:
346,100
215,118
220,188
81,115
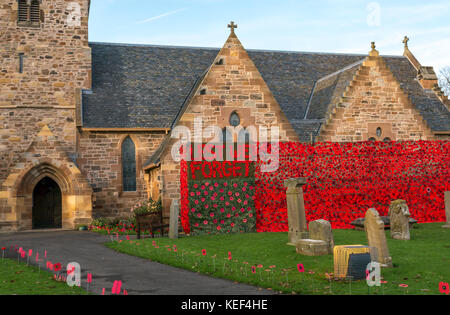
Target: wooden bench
152,222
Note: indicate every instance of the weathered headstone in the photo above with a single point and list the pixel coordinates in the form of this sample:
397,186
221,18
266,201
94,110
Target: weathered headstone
321,230
174,215
296,210
376,237
399,220
447,209
311,247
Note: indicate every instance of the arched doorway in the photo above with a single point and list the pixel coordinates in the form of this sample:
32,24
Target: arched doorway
47,205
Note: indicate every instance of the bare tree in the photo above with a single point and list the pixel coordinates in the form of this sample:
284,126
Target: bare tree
444,80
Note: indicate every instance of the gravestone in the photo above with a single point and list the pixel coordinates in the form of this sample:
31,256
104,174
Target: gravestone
296,210
376,237
399,220
311,247
321,230
174,215
447,209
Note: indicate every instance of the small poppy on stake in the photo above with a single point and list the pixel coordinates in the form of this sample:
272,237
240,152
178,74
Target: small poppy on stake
444,288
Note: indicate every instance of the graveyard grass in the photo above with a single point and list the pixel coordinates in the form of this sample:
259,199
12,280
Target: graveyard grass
420,263
20,279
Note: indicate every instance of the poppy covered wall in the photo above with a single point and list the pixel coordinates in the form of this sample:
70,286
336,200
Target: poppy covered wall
344,180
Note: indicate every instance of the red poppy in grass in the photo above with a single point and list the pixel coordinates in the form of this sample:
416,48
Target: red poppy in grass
253,269
57,267
3,248
229,256
444,288
204,252
300,268
403,285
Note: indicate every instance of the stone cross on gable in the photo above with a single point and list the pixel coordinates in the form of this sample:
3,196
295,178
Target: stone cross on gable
405,41
232,26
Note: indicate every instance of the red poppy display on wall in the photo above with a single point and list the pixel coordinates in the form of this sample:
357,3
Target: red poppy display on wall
343,181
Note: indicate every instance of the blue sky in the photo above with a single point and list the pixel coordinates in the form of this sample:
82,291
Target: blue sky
344,26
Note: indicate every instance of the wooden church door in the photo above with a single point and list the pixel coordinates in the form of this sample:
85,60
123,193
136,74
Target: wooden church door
47,205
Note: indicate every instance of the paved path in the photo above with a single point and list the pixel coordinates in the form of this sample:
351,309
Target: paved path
139,276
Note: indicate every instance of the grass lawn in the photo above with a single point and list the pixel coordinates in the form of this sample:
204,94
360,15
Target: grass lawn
20,279
420,263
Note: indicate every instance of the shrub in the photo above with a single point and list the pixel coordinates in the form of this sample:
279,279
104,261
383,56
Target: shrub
147,207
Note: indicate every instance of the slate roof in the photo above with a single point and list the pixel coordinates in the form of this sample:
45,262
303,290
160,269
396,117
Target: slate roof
328,90
146,86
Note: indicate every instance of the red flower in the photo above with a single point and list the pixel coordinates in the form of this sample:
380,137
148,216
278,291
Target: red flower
300,268
204,252
444,288
57,267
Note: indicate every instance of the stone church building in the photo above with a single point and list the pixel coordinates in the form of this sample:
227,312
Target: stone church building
85,128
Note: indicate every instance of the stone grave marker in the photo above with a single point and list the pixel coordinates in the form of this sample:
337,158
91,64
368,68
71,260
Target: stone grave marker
376,237
447,209
296,210
174,215
321,230
399,220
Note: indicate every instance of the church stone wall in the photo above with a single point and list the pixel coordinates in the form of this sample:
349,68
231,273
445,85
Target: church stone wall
56,65
41,91
99,159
